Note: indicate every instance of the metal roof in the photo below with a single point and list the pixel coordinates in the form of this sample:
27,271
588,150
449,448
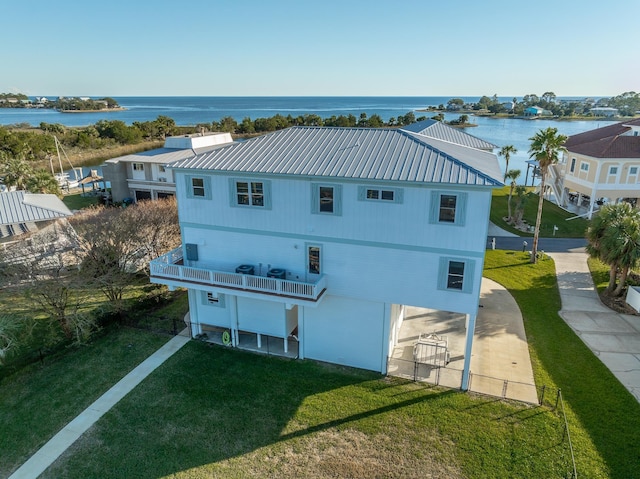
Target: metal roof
387,154
441,131
21,207
162,156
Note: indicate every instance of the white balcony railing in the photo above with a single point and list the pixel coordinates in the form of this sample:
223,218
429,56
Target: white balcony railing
168,267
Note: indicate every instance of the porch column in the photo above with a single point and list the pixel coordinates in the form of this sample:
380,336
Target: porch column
466,370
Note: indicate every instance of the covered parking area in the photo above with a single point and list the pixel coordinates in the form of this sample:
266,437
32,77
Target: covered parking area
500,361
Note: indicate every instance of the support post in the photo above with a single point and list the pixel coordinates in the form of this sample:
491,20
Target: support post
471,327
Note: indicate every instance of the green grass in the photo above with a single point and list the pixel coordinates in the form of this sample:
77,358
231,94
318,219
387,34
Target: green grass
217,412
77,202
38,401
604,417
599,274
552,215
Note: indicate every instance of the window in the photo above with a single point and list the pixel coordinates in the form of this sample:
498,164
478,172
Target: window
138,167
386,195
573,165
584,166
250,193
633,170
448,208
313,258
326,199
447,212
613,170
456,275
198,187
162,169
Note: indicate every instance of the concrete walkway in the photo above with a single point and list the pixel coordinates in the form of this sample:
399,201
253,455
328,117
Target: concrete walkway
613,337
59,443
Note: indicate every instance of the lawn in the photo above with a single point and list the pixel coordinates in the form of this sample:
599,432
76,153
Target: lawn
217,412
552,215
76,201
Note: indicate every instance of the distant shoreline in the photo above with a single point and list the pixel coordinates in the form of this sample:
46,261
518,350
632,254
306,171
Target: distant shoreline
103,110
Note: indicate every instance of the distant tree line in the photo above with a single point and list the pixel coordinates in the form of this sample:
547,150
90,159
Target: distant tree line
628,104
61,103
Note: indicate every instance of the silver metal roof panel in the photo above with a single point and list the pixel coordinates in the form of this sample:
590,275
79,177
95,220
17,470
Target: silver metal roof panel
21,207
387,154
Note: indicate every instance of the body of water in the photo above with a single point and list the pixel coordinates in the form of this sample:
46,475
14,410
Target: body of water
195,110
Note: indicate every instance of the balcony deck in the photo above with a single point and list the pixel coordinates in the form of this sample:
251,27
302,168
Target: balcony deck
170,269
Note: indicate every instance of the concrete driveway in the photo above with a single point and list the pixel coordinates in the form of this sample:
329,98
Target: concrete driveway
613,337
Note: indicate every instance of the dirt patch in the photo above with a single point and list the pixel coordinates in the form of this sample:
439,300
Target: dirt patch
617,303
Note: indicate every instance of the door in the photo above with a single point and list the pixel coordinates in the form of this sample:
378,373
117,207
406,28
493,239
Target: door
314,262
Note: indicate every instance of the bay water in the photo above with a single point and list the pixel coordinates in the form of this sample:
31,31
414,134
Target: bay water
199,110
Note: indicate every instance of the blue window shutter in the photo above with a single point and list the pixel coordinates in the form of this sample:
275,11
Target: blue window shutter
266,185
362,193
461,209
315,198
443,271
232,192
398,196
337,200
469,270
434,207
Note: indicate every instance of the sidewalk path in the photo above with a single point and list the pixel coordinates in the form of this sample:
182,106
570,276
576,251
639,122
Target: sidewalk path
59,443
613,337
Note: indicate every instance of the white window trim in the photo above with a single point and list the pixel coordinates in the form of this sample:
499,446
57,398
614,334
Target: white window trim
138,166
467,278
206,182
460,211
398,194
315,199
220,303
266,193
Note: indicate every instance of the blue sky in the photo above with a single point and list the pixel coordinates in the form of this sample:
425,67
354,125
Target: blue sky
326,47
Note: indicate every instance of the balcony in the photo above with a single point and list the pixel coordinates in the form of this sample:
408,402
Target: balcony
169,269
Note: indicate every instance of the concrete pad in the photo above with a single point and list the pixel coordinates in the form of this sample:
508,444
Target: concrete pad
590,321
500,352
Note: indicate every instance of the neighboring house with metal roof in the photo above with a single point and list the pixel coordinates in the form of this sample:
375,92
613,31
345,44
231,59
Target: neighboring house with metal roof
318,237
440,131
600,166
22,212
141,176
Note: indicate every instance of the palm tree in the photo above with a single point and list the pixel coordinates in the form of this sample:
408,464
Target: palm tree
546,146
613,237
15,169
41,181
507,151
513,176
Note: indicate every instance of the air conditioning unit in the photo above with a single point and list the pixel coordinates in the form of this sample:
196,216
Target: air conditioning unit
278,273
246,269
162,179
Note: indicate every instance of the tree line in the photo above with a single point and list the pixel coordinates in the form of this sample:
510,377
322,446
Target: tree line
628,104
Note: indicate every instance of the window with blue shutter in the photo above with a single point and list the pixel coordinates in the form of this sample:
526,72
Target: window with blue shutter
456,274
448,208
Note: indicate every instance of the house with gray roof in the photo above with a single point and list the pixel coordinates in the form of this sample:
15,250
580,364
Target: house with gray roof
22,212
143,176
600,166
316,239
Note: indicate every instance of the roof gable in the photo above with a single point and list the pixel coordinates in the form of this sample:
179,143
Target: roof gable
353,153
607,142
21,207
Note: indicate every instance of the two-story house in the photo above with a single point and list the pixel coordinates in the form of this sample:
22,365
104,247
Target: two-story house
599,166
142,176
320,237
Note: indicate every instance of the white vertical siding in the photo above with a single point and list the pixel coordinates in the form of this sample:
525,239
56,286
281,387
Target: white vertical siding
263,317
345,331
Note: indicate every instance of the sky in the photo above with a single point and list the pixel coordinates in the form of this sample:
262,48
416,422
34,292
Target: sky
319,48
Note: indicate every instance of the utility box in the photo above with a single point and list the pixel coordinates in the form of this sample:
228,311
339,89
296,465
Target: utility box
192,251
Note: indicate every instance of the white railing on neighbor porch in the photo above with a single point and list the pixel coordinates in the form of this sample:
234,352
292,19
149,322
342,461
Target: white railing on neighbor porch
167,267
